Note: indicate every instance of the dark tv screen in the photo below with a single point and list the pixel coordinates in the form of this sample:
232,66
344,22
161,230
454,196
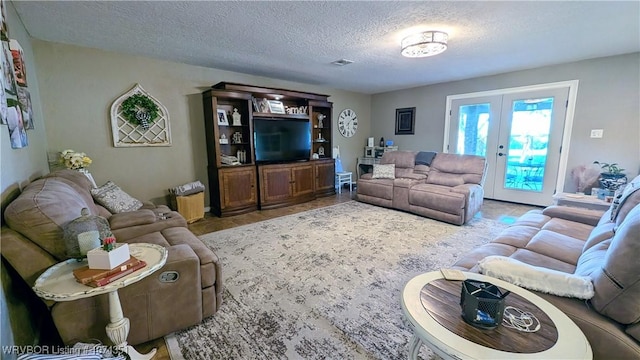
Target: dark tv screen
281,139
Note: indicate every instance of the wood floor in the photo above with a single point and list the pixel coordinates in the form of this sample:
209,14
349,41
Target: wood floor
497,210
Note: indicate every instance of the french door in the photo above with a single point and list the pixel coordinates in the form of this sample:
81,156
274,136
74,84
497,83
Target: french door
520,134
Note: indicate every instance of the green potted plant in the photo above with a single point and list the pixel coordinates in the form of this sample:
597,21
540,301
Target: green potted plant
612,177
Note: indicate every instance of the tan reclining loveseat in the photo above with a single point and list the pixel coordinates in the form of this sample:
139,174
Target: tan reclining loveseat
604,246
445,187
32,241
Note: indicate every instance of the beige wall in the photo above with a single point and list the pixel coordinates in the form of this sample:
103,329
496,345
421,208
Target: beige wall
79,85
19,166
608,93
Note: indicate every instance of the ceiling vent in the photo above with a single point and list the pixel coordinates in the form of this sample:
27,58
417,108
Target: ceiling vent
342,62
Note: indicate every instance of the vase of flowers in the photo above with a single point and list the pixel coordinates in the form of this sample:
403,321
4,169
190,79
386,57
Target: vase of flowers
109,255
74,160
78,161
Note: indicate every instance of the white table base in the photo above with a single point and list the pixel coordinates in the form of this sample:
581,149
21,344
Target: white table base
118,329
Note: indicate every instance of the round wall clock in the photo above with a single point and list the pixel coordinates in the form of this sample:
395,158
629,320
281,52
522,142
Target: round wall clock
347,123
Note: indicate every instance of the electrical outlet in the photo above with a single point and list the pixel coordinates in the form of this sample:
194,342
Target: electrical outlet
597,133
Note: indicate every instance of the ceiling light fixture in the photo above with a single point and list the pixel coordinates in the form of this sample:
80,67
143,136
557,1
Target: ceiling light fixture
427,43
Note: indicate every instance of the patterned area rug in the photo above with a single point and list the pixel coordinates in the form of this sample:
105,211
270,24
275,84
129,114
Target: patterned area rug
325,283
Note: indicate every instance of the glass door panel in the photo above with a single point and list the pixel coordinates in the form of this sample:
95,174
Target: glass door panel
473,129
528,144
520,135
474,125
530,139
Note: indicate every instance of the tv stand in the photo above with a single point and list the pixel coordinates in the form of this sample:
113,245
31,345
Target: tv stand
248,186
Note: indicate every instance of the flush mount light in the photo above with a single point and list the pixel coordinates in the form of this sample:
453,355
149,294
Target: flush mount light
342,62
423,44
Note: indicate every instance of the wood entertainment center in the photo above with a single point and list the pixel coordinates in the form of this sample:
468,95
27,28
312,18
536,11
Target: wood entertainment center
279,170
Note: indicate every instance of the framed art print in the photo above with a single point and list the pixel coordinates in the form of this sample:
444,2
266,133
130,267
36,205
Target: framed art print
276,107
405,121
222,117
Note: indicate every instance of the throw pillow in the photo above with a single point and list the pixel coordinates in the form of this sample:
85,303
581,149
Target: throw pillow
425,157
537,278
620,196
114,199
384,171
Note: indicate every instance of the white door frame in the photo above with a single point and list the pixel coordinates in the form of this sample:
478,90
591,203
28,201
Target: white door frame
568,123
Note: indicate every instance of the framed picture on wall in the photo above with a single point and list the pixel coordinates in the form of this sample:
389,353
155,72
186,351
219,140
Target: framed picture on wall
405,121
222,117
276,107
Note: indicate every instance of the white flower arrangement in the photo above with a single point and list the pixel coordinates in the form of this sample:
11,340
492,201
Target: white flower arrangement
74,160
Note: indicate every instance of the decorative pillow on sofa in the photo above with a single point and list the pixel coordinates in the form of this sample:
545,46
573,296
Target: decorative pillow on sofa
537,278
114,199
621,196
384,171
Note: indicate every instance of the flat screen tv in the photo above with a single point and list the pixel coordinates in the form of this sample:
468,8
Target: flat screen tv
279,140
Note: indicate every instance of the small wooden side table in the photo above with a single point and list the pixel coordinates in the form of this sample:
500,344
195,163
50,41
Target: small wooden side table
58,284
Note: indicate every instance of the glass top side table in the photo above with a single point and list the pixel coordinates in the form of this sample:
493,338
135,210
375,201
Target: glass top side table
58,283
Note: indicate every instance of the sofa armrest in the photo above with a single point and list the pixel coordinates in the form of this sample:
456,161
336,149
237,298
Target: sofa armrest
27,258
584,216
132,218
145,303
129,225
474,196
148,205
471,190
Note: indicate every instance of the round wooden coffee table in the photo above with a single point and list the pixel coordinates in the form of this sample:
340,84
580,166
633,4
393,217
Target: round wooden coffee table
432,306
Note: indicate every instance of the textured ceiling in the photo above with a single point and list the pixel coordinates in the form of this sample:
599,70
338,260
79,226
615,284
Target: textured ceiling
297,41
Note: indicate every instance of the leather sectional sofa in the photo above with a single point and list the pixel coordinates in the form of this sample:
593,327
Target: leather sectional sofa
32,241
603,246
446,187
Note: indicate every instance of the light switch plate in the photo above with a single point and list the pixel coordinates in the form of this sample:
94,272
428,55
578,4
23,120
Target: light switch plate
597,133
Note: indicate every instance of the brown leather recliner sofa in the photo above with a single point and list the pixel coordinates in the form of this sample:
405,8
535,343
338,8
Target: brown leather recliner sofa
445,187
32,241
591,243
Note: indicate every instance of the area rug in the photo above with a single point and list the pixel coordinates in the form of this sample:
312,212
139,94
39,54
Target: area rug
325,283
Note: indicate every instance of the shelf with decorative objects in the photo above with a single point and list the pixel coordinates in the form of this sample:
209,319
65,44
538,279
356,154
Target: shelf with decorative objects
321,112
238,115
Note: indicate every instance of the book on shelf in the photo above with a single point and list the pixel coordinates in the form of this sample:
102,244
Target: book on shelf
85,275
111,278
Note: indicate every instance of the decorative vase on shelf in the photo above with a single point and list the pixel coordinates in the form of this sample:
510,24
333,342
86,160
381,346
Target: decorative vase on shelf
381,142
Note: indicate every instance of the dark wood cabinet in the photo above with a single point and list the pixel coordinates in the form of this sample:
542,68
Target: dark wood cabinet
232,173
238,188
275,184
237,182
302,181
285,184
324,176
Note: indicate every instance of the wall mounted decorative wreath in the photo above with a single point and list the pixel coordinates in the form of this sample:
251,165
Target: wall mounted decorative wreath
139,109
139,119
